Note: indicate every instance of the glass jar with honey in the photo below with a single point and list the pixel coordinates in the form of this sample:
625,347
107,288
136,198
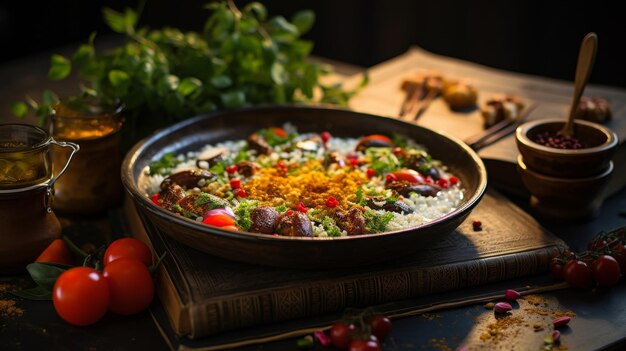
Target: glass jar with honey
92,183
26,181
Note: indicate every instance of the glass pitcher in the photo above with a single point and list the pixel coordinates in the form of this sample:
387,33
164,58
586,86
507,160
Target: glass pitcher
26,190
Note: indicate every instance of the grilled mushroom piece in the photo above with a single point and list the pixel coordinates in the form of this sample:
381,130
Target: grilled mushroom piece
397,206
294,223
258,143
247,168
190,178
211,157
406,189
263,220
352,221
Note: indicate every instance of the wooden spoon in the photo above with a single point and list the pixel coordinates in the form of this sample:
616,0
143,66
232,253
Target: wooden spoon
586,57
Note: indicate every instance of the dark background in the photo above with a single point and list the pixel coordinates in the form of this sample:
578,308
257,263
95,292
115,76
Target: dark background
537,37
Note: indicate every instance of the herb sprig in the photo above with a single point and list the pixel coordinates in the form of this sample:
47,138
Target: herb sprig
241,58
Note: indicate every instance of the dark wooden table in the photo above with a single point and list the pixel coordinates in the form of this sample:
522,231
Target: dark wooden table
600,322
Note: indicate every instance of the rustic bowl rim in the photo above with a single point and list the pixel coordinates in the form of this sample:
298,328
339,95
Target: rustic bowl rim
521,135
563,180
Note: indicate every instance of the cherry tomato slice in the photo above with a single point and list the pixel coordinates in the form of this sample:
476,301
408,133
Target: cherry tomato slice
409,175
81,296
279,132
219,220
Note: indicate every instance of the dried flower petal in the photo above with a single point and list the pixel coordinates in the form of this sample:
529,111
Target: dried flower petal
322,338
512,295
503,307
561,321
556,335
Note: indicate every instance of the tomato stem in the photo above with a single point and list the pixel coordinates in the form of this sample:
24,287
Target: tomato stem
75,249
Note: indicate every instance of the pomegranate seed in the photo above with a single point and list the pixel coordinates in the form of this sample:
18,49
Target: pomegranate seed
332,202
240,192
502,307
512,295
370,173
325,137
561,321
290,212
155,199
235,183
231,169
477,225
354,162
300,207
281,164
390,177
454,180
442,183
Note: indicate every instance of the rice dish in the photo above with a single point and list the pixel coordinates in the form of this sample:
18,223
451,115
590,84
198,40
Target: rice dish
281,182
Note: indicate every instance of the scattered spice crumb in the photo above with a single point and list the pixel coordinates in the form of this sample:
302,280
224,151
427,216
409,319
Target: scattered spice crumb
430,317
8,308
440,344
477,225
499,330
490,305
538,327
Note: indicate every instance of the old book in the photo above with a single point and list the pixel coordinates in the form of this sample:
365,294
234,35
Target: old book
383,96
204,295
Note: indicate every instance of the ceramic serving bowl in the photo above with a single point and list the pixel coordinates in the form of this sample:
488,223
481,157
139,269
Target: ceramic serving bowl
584,162
564,198
299,252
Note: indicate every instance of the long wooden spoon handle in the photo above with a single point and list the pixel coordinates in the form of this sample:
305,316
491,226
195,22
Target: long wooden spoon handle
586,58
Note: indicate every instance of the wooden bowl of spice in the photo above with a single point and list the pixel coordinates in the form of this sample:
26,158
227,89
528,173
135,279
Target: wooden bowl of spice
585,154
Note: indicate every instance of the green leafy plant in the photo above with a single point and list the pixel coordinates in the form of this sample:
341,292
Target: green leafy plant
240,58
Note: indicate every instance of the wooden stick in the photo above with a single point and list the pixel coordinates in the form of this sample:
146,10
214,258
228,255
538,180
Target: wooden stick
491,136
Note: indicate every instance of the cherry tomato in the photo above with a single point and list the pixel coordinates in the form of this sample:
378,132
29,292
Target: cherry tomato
219,220
380,326
410,176
341,334
619,253
369,344
130,284
56,252
128,248
81,296
606,270
557,269
279,132
578,274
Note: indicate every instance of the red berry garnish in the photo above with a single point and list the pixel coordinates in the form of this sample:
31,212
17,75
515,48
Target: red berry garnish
325,137
231,169
477,225
454,180
332,202
235,183
300,207
370,173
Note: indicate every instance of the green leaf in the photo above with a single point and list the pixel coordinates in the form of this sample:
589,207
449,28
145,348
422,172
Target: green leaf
46,274
49,98
303,20
19,109
130,19
115,20
282,30
189,86
37,293
257,10
60,67
84,53
233,99
221,82
118,78
278,73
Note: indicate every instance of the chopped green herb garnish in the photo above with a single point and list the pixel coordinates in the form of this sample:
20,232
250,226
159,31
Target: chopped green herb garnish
242,155
218,168
375,222
243,213
330,226
399,140
178,209
274,139
167,162
282,208
210,199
